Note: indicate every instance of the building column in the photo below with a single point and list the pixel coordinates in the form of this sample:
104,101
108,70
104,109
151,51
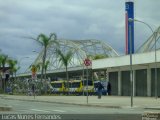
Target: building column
148,81
119,83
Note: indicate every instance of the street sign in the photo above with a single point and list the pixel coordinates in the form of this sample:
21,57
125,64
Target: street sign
34,70
87,62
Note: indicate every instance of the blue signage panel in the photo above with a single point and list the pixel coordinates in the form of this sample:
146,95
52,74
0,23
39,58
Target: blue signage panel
129,13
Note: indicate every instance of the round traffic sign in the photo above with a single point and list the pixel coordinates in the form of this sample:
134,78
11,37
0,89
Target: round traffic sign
87,62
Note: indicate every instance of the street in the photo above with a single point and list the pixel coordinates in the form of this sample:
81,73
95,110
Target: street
28,107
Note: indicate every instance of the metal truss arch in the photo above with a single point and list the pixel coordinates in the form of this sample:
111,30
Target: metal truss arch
149,45
80,48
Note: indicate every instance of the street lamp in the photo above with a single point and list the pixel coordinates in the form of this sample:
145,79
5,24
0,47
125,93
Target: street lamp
155,47
131,69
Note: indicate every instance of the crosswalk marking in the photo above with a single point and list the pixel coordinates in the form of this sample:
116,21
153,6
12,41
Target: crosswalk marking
40,110
58,110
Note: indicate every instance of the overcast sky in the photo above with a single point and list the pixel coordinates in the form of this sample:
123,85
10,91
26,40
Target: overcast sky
70,19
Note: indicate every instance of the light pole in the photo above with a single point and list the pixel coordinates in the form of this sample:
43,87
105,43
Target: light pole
155,47
131,70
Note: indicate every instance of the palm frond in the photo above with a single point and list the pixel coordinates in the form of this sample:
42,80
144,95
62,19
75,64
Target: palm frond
53,34
65,58
46,64
35,39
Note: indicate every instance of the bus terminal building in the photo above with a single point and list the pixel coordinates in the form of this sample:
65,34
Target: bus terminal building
115,68
143,66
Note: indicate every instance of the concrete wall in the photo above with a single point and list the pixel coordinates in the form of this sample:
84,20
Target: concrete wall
143,58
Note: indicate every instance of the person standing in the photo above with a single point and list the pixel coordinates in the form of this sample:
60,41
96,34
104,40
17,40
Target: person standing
109,88
100,87
33,89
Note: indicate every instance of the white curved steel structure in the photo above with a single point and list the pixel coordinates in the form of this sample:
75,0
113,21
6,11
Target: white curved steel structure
80,48
149,45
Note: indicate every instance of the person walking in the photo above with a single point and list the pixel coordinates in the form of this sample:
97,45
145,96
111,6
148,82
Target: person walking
100,87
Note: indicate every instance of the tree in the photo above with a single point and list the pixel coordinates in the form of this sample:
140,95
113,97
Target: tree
45,41
65,59
4,59
15,69
12,64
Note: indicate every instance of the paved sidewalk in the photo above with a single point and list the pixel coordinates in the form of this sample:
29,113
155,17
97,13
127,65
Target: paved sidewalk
105,101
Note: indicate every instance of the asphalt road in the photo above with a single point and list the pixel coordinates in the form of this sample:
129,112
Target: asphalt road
75,111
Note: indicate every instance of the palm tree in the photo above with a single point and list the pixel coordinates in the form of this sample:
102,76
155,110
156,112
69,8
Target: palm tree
65,59
15,69
45,41
12,64
45,70
4,59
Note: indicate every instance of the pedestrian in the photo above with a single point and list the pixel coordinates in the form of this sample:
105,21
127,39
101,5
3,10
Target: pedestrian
100,87
109,88
33,89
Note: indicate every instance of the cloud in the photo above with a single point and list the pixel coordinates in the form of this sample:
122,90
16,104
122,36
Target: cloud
71,19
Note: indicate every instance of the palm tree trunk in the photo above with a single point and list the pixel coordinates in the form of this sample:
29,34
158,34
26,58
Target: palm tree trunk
45,81
45,72
67,79
43,62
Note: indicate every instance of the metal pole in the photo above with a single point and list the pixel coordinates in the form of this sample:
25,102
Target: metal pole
106,77
131,71
4,85
87,84
34,91
156,91
155,47
83,80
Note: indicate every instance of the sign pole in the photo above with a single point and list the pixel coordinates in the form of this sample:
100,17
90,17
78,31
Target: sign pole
87,84
87,63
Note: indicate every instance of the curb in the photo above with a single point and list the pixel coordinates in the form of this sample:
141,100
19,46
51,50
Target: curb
5,108
88,105
153,108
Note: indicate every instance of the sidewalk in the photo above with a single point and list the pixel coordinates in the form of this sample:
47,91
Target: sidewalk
105,101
